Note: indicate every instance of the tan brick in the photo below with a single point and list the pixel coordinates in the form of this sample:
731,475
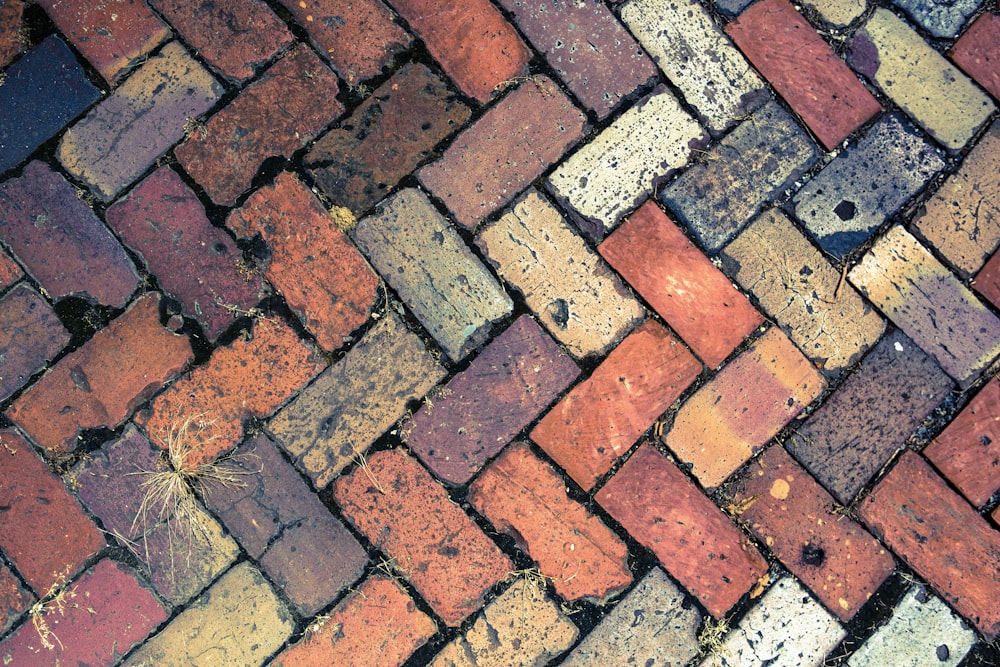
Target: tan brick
839,13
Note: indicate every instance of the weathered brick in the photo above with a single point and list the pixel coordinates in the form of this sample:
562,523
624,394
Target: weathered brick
603,416
696,543
941,99
525,498
423,258
978,52
582,303
63,245
743,407
10,271
621,166
30,336
399,507
987,281
413,112
941,18
696,299
482,408
224,156
940,536
337,417
839,13
14,598
13,39
535,123
322,276
929,304
102,382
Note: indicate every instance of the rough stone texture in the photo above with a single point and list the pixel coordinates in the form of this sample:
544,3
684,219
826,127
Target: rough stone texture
978,52
12,40
696,299
571,290
603,416
30,336
423,258
745,405
926,301
839,13
14,598
502,152
865,184
758,159
929,89
941,18
398,506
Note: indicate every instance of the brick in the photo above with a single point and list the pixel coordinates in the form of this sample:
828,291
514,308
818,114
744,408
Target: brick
312,263
865,184
220,31
938,97
125,134
987,281
10,271
603,416
14,598
940,536
799,289
786,509
432,270
224,157
600,62
929,304
977,52
521,626
568,287
688,292
967,451
824,93
413,111
693,540
60,241
42,92
399,507
13,38
941,18
378,624
472,41
43,530
30,336
165,224
839,13
112,35
745,405
482,408
694,53
621,166
101,383
525,498
535,123
761,157
650,623
238,619
354,401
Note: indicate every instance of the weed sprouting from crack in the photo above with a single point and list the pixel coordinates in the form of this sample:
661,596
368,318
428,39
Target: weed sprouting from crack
57,599
711,635
362,461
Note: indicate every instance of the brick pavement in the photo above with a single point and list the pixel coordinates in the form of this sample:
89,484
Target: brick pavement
591,333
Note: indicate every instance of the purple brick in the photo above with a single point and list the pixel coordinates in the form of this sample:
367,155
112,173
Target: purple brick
14,598
30,336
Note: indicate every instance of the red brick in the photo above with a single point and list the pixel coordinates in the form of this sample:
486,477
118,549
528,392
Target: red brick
14,598
100,384
804,70
696,543
476,47
987,281
696,299
322,276
13,38
397,505
978,52
10,271
525,498
535,124
940,536
831,554
602,417
275,116
511,381
43,530
30,336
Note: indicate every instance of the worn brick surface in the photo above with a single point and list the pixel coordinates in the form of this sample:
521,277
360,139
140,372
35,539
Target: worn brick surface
602,417
14,598
940,536
694,541
839,13
10,271
978,52
412,111
987,281
757,160
510,146
397,505
733,416
225,155
941,18
322,276
30,336
12,40
523,497
581,302
696,299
